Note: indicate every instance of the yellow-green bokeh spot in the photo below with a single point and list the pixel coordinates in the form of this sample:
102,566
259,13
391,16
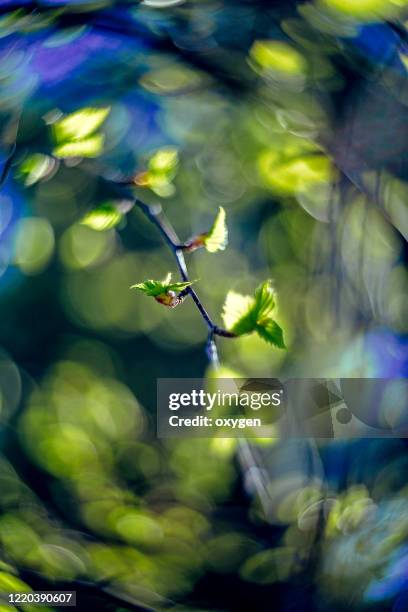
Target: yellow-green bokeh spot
34,245
89,147
11,584
36,167
277,56
81,247
269,566
80,124
164,161
296,175
366,10
75,134
162,168
102,218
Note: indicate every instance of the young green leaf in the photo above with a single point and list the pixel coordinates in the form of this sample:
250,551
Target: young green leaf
179,286
237,313
272,333
150,287
163,291
244,314
217,238
264,301
214,240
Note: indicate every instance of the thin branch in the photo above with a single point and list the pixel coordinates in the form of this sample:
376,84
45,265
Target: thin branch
245,452
155,214
212,352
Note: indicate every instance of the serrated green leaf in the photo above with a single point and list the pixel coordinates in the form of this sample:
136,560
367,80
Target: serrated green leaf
272,333
103,218
264,301
150,287
237,313
155,288
91,147
79,125
243,314
217,238
179,286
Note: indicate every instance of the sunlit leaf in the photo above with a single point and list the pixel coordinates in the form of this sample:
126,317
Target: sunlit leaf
272,333
179,286
243,314
103,218
217,237
163,291
237,313
79,125
150,287
264,301
91,147
214,240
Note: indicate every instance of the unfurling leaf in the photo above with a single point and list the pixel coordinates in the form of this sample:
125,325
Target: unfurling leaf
75,134
164,291
214,240
244,314
103,218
